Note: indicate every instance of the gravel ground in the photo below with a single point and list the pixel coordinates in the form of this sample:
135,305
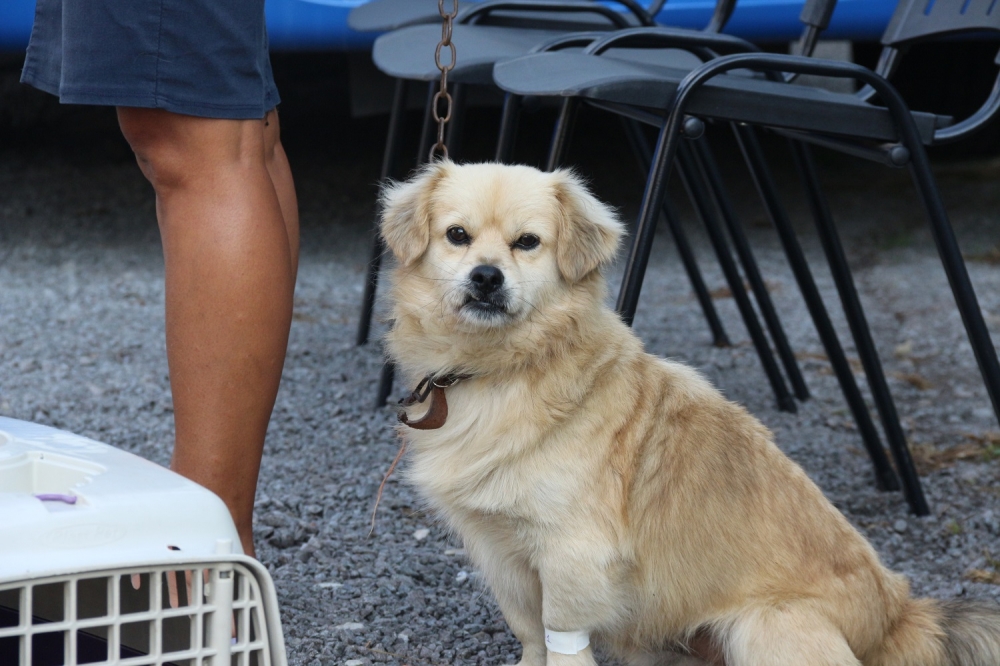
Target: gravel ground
81,348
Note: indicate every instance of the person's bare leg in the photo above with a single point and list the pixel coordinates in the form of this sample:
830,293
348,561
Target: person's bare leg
229,284
281,176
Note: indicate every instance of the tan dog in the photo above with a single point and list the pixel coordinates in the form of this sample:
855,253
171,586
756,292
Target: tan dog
606,494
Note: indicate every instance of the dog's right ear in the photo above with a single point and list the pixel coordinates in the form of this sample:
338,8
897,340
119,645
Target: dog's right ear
406,212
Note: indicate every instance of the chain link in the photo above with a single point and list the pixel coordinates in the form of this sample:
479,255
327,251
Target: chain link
447,19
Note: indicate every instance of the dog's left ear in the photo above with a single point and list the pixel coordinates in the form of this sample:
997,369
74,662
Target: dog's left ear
406,212
589,231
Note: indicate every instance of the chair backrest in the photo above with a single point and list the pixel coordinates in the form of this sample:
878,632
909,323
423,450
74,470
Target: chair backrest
815,18
815,15
537,13
720,16
645,15
926,20
917,20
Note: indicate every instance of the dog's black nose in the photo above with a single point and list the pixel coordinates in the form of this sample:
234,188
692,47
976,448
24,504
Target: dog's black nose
487,279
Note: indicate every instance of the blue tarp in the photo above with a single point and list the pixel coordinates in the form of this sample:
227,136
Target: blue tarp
322,24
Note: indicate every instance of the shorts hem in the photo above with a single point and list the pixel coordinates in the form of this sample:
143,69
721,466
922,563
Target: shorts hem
31,78
151,101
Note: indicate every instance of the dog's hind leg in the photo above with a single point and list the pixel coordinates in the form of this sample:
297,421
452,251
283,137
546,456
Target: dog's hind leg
789,634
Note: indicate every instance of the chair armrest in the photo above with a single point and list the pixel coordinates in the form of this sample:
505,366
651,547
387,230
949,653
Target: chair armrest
568,41
775,65
662,37
887,63
481,10
973,123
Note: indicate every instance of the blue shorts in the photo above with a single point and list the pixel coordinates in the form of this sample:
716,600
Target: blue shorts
202,58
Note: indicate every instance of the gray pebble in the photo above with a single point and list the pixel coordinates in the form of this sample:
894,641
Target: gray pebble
102,372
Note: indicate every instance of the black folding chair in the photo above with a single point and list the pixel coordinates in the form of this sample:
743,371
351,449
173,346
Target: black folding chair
487,33
405,55
386,15
408,56
700,178
698,172
891,134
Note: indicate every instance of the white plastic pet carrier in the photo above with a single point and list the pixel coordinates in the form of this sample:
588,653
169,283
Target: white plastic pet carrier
111,560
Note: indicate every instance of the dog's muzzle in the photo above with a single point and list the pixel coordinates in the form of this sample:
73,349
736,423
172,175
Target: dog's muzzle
487,296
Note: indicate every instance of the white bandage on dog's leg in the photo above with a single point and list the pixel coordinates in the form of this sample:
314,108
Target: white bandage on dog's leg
566,642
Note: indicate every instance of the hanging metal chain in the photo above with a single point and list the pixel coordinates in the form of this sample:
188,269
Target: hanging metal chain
442,94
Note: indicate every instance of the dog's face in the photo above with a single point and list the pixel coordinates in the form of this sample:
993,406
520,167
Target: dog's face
490,244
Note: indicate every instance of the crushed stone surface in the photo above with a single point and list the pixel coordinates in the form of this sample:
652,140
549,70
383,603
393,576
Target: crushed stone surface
82,348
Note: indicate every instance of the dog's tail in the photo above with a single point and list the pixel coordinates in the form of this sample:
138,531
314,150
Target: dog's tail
943,633
971,633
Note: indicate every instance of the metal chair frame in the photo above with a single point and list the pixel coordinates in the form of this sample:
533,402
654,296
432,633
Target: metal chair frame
885,477
668,147
687,161
707,45
784,398
394,135
474,14
471,14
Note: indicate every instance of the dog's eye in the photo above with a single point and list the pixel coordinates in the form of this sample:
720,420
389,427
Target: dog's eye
458,235
526,242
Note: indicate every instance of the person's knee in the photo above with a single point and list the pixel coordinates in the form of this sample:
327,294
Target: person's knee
153,137
172,148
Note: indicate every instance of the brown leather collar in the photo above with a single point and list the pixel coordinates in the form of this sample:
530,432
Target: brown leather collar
437,412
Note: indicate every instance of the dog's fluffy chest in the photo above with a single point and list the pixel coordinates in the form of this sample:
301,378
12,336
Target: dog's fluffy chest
488,459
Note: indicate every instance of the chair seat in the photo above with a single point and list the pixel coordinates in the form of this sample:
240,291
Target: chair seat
409,53
386,15
738,98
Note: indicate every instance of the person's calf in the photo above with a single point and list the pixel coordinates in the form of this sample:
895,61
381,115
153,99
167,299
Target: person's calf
229,285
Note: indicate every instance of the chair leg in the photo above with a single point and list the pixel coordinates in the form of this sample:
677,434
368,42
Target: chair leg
885,477
643,156
958,276
859,329
508,127
638,144
653,200
427,133
392,147
388,369
706,164
719,336
562,132
645,229
692,180
371,286
668,145
384,384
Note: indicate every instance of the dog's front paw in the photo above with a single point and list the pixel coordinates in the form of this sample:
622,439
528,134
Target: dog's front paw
584,657
534,661
532,656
